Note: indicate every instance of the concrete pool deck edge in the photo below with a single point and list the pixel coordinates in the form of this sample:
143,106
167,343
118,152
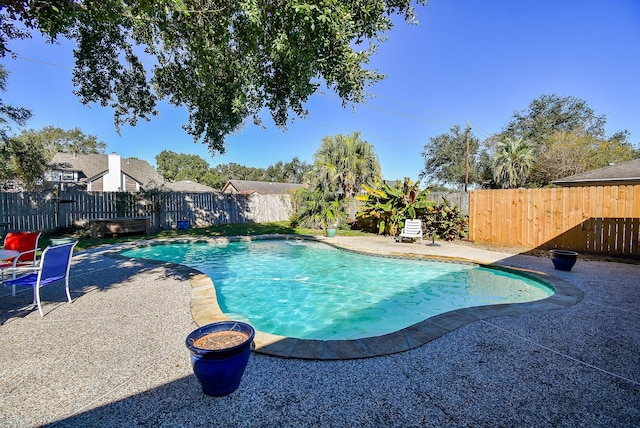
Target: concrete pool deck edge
205,309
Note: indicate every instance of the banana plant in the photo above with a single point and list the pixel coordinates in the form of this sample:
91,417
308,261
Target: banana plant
389,206
446,222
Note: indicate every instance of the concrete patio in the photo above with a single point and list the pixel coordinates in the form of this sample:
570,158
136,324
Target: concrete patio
116,357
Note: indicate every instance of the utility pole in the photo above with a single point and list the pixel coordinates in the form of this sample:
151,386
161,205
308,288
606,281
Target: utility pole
466,175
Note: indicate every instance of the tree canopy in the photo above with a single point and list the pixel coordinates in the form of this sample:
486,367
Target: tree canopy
10,116
181,166
445,157
554,137
24,157
568,153
57,140
551,113
567,137
343,163
226,61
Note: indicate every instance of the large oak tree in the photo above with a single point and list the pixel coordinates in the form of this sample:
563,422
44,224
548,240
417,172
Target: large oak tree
226,61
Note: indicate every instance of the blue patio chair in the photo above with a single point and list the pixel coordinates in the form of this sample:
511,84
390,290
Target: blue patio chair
54,266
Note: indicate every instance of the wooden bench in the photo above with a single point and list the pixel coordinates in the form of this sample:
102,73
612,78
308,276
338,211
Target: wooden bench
119,226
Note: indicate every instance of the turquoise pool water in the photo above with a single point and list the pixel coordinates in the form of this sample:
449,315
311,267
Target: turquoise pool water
310,290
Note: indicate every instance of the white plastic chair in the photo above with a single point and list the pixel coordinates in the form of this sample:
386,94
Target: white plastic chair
54,266
412,229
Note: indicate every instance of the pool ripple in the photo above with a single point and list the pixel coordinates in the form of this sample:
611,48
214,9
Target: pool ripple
205,309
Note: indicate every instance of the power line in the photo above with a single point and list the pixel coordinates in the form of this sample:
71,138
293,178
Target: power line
324,125
387,110
44,62
406,115
410,116
422,108
486,134
371,106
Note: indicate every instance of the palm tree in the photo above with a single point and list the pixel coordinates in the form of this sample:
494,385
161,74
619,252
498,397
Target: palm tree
344,162
512,161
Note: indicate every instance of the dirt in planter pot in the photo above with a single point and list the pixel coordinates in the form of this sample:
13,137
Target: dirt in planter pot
220,340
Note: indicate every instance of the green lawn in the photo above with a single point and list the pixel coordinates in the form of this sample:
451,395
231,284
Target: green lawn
244,229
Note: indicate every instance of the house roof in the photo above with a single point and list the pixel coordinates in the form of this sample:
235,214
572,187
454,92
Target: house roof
262,187
95,165
190,186
620,174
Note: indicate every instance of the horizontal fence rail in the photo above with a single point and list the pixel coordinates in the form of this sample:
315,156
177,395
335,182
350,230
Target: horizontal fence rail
596,219
43,211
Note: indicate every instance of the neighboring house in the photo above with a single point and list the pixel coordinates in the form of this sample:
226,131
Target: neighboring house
246,187
102,173
626,173
190,186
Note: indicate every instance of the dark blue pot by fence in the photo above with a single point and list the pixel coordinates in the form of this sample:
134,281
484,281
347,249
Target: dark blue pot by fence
183,224
220,371
563,259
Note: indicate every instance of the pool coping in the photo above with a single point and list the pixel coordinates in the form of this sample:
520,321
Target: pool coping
205,308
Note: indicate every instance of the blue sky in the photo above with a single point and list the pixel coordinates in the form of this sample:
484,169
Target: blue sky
465,61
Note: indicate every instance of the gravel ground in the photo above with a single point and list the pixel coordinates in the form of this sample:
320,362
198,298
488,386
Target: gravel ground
116,357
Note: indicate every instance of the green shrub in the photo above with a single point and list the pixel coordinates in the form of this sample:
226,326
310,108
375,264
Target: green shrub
446,222
385,207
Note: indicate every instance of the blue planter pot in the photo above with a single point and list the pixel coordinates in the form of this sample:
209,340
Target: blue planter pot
183,225
219,371
563,259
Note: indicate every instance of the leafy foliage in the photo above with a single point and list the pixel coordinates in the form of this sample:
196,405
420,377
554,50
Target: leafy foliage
343,163
569,153
24,157
21,161
10,115
445,157
388,206
551,113
512,161
180,166
287,172
57,140
16,162
445,222
567,137
317,209
225,61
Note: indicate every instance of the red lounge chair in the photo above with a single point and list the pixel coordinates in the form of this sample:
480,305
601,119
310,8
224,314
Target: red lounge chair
26,244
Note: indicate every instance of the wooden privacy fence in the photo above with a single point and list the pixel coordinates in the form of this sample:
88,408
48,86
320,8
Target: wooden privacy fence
461,199
43,211
597,219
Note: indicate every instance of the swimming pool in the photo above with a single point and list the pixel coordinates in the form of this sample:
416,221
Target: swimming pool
310,290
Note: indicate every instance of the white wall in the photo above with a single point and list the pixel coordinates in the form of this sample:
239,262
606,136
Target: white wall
113,179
